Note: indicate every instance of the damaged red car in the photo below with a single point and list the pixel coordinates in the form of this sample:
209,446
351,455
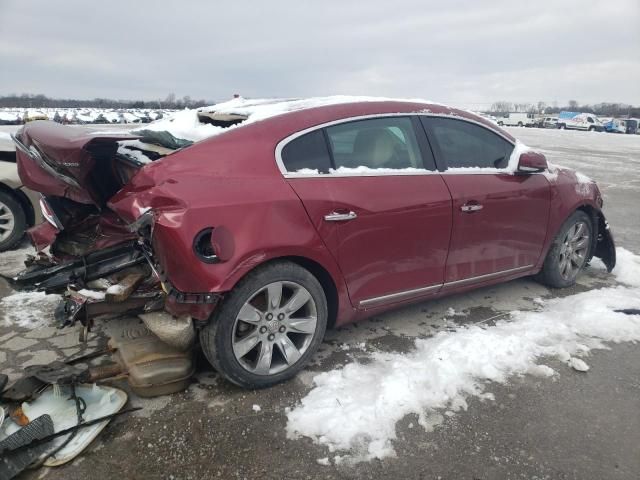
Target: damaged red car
291,217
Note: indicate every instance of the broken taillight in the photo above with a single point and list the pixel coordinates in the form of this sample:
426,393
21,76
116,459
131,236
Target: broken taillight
49,214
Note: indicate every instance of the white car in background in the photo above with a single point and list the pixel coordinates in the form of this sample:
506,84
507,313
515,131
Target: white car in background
19,206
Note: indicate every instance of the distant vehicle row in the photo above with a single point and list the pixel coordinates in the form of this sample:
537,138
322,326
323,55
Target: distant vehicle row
19,116
570,121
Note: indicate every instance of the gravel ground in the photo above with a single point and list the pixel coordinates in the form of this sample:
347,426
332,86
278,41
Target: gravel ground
582,426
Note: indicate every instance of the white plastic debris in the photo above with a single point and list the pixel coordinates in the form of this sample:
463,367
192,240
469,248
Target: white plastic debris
578,364
99,400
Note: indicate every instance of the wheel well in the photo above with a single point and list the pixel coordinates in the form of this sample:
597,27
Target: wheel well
325,279
24,202
595,217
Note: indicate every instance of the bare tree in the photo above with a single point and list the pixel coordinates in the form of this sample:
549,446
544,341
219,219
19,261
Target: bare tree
502,107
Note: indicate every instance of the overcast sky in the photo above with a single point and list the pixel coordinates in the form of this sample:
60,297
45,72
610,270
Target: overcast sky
466,53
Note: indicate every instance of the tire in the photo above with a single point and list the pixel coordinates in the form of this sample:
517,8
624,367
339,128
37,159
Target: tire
519,124
591,129
561,126
13,221
235,345
560,271
500,124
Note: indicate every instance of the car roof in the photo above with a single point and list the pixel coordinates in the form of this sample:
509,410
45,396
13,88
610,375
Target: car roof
304,113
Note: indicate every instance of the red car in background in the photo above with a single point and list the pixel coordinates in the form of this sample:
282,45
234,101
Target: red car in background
273,230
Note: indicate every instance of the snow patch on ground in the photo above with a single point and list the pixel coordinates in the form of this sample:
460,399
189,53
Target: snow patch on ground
627,269
356,407
29,309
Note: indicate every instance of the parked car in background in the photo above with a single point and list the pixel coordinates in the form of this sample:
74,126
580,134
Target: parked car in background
579,121
615,125
550,122
633,126
517,120
304,215
19,209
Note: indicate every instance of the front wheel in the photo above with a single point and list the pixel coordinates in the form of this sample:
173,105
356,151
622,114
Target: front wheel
268,327
569,252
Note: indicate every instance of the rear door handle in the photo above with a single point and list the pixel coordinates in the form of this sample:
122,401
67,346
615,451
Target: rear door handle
470,208
340,216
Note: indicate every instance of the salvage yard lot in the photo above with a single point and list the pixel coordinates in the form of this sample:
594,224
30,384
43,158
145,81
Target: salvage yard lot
572,425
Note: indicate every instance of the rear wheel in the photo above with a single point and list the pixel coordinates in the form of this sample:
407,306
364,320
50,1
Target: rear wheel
569,252
268,327
13,221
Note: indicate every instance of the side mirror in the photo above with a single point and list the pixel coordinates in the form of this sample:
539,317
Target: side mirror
532,162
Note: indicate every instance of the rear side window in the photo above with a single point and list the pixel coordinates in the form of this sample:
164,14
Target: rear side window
464,144
380,143
307,153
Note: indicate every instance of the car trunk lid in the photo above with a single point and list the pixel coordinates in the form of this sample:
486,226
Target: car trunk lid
68,162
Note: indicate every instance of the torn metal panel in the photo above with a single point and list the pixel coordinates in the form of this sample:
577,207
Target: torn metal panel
56,278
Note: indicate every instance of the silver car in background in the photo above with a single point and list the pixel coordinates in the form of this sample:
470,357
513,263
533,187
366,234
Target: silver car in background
19,206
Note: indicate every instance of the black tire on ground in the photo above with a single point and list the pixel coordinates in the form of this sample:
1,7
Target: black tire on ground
13,221
519,124
218,336
552,272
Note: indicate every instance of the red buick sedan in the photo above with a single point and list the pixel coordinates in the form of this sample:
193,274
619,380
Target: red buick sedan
270,231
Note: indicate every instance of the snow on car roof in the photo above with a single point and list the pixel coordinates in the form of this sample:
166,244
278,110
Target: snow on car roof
189,124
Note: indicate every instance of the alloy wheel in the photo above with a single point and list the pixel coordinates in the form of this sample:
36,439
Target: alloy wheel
7,222
573,251
274,328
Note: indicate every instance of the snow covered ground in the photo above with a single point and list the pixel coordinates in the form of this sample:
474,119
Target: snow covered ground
355,408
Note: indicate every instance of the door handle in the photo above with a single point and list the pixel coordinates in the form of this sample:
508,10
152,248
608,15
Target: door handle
340,216
471,207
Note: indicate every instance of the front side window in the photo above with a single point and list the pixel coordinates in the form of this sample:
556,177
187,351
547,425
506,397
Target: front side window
463,144
380,143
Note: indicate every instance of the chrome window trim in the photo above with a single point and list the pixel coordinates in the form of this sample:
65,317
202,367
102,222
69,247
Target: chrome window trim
282,143
383,299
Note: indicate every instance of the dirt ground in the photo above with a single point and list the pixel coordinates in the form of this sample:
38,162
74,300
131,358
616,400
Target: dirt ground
574,426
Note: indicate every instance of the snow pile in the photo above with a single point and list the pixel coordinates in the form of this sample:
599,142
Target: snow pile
29,310
356,407
627,269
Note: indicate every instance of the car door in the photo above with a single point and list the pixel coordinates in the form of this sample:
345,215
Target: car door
499,218
374,196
